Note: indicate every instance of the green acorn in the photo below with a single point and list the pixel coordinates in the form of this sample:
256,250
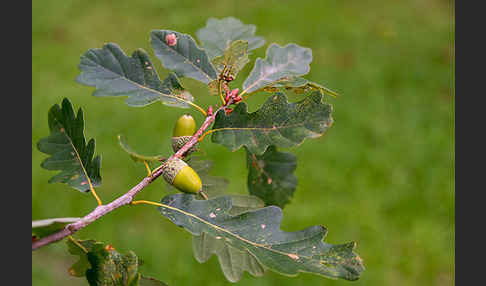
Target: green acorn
180,175
183,130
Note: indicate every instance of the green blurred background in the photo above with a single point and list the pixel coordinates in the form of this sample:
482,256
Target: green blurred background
382,176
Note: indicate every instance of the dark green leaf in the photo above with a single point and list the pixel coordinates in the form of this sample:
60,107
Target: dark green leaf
277,122
233,60
279,62
108,267
44,227
243,203
113,73
253,242
182,56
103,265
204,246
271,176
218,35
81,249
134,155
68,149
296,84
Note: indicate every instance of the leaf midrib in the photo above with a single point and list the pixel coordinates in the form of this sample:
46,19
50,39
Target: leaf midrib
78,157
187,59
235,235
139,85
266,75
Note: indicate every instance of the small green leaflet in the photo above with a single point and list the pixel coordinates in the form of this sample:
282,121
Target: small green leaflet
182,55
271,176
279,62
219,34
233,60
296,84
277,122
137,157
255,238
104,266
113,73
68,149
45,227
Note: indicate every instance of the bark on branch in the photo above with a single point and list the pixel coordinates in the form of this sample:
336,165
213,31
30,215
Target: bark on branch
127,198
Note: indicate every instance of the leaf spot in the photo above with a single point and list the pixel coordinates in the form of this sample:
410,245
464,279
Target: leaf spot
293,256
263,226
269,180
171,39
62,129
212,215
218,237
83,183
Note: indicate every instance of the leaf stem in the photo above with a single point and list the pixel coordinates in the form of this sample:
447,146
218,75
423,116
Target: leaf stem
198,108
148,168
220,93
98,200
146,202
78,244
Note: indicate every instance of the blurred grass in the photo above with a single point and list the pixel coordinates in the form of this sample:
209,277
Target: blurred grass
382,176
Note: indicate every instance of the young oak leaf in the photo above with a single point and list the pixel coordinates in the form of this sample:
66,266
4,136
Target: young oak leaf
256,242
277,122
113,73
233,60
219,34
297,85
68,150
271,176
279,62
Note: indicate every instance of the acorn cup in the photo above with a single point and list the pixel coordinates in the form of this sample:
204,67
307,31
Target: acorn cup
183,130
180,175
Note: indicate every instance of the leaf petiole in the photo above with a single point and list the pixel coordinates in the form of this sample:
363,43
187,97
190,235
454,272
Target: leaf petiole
77,243
146,202
197,107
219,92
94,193
148,168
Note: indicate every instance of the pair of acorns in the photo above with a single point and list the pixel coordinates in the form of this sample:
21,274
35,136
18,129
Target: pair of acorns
175,171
